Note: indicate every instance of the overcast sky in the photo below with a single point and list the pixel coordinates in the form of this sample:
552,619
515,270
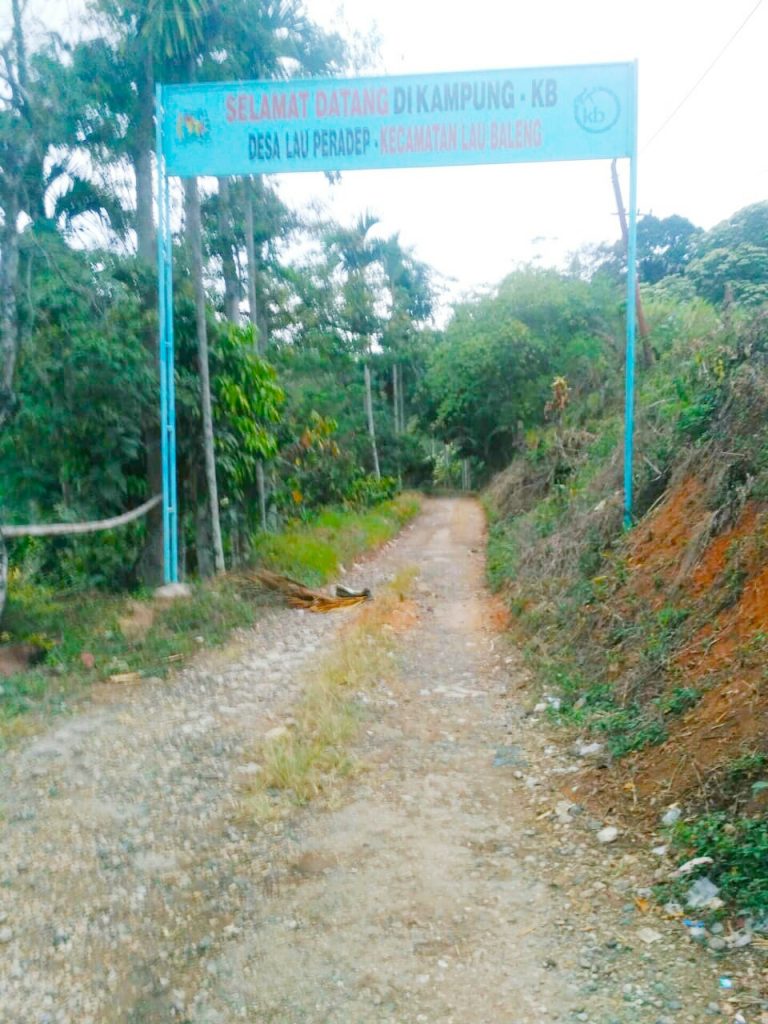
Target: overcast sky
475,224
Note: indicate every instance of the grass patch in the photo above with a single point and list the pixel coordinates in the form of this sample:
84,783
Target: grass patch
307,760
85,642
739,849
623,727
314,551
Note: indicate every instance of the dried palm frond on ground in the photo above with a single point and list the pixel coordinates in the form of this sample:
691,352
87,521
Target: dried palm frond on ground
299,596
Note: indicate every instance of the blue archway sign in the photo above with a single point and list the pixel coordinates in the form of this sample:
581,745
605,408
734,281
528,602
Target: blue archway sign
582,112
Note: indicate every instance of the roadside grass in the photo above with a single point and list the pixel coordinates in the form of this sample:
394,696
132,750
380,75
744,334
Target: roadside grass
308,759
316,551
85,641
738,846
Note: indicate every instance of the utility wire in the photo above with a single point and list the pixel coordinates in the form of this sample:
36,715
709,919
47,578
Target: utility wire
701,77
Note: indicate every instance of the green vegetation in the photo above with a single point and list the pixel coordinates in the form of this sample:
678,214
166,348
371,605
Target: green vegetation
324,342
556,544
85,642
334,538
739,848
89,637
320,380
326,372
616,624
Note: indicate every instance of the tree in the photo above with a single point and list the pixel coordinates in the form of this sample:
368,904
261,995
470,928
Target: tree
355,251
484,377
169,40
73,450
195,241
579,324
491,372
16,145
410,302
663,246
731,260
738,273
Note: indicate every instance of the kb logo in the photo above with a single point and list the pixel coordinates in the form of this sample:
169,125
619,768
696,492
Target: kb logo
597,110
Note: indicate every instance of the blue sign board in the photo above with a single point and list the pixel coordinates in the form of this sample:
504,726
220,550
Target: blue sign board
480,117
224,129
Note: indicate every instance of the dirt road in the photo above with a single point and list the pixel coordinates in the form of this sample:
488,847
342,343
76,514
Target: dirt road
449,884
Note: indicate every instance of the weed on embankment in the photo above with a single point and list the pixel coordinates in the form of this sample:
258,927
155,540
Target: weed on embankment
652,641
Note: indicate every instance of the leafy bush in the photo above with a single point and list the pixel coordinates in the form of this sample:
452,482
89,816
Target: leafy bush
367,490
314,551
739,849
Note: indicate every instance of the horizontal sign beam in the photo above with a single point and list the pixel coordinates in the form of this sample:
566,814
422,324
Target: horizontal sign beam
584,112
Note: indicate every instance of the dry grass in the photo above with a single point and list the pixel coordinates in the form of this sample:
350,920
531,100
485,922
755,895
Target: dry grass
309,759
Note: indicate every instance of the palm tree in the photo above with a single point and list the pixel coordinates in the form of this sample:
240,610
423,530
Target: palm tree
354,251
410,299
178,40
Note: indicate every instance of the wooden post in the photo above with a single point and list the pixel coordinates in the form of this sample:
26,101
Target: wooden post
642,323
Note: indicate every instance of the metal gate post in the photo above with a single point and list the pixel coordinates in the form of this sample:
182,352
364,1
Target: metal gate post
165,329
629,414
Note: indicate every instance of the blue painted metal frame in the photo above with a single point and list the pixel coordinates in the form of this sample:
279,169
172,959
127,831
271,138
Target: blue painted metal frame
166,339
166,346
513,115
629,400
173,511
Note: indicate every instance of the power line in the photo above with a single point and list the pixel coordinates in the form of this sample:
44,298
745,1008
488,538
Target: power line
701,77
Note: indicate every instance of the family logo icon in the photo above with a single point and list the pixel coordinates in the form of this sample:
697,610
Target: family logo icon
597,110
193,126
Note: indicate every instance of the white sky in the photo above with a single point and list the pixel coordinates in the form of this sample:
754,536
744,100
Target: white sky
474,224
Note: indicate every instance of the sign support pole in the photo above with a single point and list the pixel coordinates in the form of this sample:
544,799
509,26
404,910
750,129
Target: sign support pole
629,413
579,112
173,524
165,329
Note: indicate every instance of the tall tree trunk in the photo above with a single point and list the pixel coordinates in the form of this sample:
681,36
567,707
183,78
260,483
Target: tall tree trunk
203,544
401,394
259,325
255,314
9,314
262,489
371,426
194,232
227,247
396,398
20,46
10,332
3,575
142,162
